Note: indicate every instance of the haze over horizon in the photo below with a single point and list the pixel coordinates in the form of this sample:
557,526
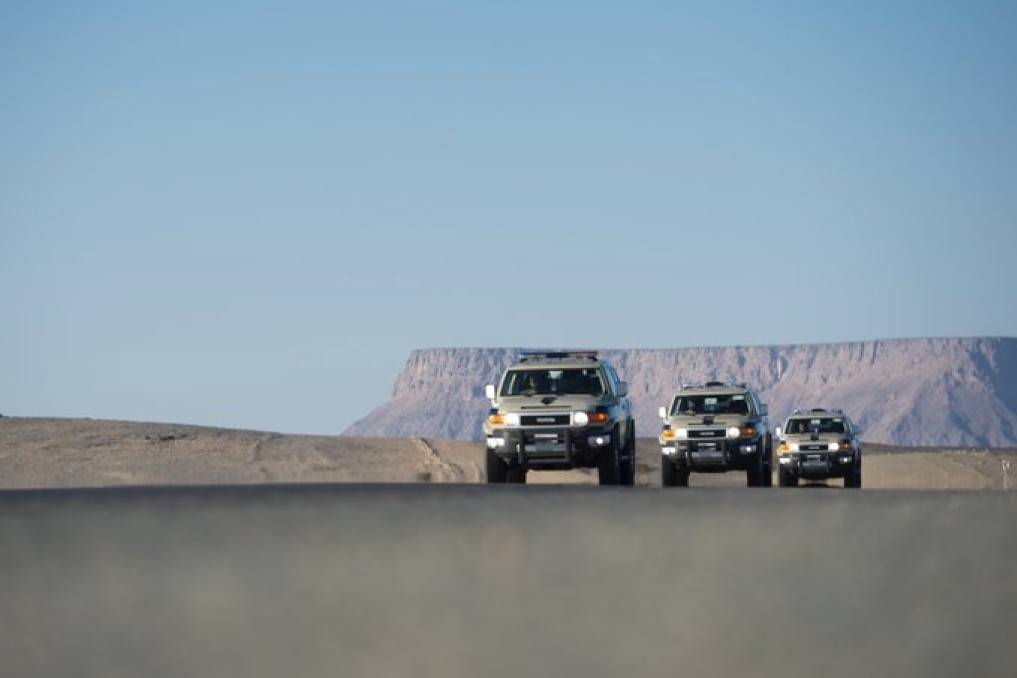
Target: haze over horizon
249,214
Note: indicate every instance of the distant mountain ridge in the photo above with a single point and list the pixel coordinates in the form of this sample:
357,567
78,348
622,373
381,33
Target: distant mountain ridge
912,392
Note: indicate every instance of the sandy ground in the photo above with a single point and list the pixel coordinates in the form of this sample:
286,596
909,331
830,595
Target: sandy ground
54,453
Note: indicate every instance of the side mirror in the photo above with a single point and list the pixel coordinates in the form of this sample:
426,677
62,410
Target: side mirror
663,413
489,391
623,389
778,432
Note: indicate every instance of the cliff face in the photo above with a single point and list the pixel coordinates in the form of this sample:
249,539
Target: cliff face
945,392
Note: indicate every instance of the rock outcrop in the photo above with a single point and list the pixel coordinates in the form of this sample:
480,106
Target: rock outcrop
937,392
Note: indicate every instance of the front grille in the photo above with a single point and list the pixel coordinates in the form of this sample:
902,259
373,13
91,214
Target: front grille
707,433
545,419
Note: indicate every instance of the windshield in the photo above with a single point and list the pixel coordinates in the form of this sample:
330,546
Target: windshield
735,403
585,381
816,424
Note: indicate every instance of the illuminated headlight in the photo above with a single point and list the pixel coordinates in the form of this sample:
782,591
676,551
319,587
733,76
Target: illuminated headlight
733,432
794,447
832,447
681,434
512,419
580,418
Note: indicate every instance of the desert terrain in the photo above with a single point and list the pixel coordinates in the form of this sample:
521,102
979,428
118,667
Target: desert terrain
64,453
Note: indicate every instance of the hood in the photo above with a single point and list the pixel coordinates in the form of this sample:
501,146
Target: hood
685,420
550,402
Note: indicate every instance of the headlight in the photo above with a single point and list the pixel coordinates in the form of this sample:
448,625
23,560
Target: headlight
580,419
733,432
833,447
681,433
512,419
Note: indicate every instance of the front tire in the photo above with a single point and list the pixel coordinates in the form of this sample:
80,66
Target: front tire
608,466
786,478
497,469
668,472
767,462
627,464
754,471
853,478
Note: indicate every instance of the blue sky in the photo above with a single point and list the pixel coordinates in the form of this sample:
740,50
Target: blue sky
247,214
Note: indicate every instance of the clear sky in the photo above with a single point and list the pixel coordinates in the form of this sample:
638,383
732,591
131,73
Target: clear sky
247,214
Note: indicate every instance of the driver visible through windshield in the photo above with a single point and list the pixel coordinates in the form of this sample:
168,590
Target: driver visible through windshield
711,404
530,382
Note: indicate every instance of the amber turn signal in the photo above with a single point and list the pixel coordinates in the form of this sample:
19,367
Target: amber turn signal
495,418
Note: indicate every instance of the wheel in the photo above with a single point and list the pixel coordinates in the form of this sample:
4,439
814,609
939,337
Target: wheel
754,471
668,473
785,478
517,475
627,464
497,469
608,468
853,478
768,462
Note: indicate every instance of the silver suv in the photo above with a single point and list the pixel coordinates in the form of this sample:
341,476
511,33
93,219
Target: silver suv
819,444
712,428
560,410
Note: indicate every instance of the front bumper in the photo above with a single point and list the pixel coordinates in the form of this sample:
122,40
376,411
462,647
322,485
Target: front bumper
818,464
546,447
713,455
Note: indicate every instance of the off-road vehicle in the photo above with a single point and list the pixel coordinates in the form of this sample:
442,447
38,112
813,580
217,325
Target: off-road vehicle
819,444
560,410
712,428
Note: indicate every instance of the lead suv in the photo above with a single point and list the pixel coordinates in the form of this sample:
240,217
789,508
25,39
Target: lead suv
819,444
560,410
712,428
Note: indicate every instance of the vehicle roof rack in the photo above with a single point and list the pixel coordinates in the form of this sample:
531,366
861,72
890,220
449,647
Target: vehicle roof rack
533,356
818,410
714,384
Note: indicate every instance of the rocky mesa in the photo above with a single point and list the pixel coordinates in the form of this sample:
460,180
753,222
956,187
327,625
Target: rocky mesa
910,392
